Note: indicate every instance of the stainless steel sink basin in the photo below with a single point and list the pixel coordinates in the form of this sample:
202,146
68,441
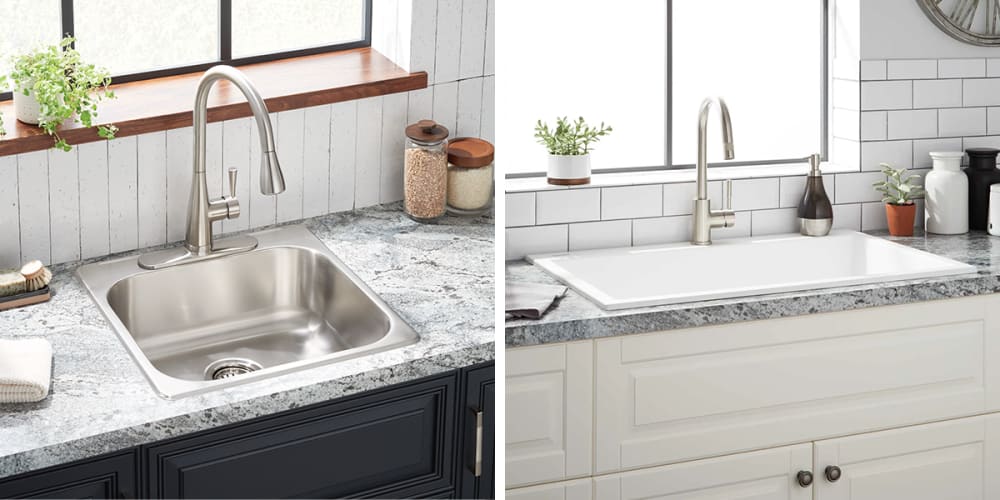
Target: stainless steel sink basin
287,305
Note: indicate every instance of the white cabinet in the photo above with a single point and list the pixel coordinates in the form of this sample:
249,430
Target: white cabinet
760,475
549,413
578,489
954,460
688,394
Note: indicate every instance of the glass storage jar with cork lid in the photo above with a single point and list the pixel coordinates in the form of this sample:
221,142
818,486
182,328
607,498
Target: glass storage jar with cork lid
425,171
470,176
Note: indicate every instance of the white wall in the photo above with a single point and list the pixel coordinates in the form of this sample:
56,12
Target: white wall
899,29
109,197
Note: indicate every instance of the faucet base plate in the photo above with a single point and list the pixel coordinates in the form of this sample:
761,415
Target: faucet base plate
182,255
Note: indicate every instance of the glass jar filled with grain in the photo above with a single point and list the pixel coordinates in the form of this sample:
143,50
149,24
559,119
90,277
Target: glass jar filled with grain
425,171
470,176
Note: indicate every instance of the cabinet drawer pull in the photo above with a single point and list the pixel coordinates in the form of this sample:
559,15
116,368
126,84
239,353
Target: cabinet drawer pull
805,478
476,462
832,473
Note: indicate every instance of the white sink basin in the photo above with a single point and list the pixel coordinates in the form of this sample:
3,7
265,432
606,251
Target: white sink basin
622,278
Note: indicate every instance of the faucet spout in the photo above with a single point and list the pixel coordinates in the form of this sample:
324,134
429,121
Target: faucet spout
704,218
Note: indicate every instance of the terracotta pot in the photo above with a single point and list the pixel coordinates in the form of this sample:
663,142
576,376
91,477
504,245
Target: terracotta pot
900,218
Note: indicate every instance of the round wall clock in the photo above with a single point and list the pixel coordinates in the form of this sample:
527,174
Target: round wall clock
971,21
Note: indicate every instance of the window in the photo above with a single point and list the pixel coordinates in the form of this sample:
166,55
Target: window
645,70
140,39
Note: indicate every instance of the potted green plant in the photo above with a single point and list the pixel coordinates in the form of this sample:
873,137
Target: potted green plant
53,84
898,192
569,147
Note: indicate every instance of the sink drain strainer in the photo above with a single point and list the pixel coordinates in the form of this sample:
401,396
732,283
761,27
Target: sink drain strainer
230,367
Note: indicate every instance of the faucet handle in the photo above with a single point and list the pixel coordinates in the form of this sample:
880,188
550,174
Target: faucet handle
727,203
232,181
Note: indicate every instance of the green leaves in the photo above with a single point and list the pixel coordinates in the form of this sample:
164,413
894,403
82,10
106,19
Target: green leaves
65,87
897,189
569,138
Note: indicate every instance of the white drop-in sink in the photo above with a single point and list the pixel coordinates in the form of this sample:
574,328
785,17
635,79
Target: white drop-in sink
623,278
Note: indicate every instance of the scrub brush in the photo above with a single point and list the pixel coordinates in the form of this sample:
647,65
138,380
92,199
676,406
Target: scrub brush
36,275
12,282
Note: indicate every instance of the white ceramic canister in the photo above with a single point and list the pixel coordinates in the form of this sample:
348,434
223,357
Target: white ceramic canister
946,204
569,170
993,220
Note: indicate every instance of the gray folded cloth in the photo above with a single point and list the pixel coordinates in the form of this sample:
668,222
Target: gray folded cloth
531,300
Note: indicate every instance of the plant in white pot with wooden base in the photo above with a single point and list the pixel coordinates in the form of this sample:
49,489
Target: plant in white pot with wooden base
569,147
53,84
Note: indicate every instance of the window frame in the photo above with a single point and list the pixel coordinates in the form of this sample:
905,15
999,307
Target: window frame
825,113
225,46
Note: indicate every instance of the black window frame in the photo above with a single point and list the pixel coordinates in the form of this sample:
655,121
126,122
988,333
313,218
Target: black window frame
225,46
825,112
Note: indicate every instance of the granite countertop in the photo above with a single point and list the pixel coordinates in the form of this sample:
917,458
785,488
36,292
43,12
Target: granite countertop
577,318
439,278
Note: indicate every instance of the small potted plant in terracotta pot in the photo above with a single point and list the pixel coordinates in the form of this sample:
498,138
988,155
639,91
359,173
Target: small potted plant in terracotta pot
898,191
569,147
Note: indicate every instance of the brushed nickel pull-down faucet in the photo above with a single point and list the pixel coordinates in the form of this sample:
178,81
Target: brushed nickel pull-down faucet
705,219
203,211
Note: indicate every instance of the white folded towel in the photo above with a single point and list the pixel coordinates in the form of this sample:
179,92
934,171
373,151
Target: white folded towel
25,370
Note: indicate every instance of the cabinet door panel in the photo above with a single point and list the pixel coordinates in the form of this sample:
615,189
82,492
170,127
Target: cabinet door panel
549,412
695,393
924,462
480,396
395,443
760,475
112,476
577,489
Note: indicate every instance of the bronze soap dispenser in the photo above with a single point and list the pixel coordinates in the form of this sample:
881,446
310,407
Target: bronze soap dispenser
815,210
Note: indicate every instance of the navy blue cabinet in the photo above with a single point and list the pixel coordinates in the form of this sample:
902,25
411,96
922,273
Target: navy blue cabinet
432,438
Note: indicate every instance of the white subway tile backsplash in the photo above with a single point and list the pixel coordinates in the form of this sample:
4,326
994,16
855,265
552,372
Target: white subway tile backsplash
291,126
631,202
488,65
367,180
33,193
448,47
775,221
423,37
394,110
343,154
874,125
445,109
876,96
937,93
64,205
915,124
604,234
10,226
486,125
910,69
892,152
660,230
873,70
855,188
520,209
988,141
961,68
958,122
123,198
993,121
993,68
873,216
793,188
316,161
470,102
847,216
678,199
151,153
754,194
923,147
981,92
179,148
568,205
472,54
95,237
523,241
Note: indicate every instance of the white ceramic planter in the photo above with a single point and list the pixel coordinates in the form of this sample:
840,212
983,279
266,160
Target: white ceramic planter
26,108
946,204
569,170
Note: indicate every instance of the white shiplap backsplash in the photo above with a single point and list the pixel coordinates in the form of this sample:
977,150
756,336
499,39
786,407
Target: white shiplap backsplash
132,192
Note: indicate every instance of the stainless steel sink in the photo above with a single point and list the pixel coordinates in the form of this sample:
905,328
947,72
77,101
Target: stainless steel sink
287,305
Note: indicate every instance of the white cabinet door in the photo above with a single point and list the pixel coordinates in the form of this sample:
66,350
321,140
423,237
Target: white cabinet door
688,394
549,413
953,460
760,475
577,489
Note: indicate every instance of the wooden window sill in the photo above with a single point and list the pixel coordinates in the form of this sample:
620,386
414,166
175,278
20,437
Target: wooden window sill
166,103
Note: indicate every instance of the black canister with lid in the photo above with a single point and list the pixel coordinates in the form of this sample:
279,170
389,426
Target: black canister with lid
982,173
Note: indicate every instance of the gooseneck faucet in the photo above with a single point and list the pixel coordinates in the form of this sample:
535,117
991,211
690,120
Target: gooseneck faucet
203,211
706,219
